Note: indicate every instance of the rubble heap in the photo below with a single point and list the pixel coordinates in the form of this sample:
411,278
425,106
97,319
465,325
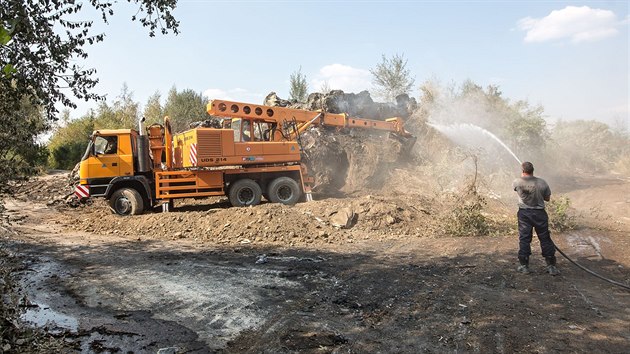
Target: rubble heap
354,159
354,104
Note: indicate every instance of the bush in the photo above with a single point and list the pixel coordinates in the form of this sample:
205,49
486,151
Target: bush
560,218
466,218
69,141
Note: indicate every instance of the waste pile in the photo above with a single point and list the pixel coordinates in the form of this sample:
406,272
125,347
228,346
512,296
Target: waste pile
354,104
354,159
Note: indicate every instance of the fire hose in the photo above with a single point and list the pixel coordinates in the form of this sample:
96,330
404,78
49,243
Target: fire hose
591,272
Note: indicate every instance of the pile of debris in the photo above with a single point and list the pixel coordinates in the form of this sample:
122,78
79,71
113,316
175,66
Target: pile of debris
54,188
356,159
358,105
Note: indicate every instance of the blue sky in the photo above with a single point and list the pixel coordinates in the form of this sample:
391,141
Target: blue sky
570,57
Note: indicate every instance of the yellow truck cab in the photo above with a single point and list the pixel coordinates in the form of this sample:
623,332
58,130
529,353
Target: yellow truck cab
111,168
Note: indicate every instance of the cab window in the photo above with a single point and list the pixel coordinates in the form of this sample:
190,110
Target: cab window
106,145
247,135
236,127
259,131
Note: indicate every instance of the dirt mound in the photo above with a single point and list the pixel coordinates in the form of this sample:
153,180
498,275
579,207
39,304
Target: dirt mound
376,217
51,189
325,221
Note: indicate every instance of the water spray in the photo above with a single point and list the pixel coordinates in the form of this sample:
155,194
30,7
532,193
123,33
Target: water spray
455,131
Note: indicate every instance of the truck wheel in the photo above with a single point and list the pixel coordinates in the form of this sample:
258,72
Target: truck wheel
284,190
245,192
126,201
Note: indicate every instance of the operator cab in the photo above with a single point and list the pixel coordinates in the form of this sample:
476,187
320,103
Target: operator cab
244,129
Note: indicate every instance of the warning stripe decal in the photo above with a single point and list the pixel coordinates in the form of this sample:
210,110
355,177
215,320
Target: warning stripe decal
82,191
193,154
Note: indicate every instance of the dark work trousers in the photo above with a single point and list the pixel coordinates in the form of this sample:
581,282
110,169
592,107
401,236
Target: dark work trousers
529,219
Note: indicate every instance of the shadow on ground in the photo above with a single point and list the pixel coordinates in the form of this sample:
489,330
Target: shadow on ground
145,295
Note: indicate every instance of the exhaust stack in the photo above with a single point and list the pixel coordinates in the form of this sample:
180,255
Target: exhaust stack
144,159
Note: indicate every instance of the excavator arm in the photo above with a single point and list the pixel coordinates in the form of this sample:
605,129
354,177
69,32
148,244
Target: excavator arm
302,118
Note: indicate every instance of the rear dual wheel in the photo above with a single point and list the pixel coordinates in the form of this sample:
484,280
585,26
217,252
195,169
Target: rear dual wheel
284,190
245,192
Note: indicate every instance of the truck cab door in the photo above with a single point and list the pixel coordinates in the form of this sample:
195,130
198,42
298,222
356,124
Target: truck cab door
245,142
105,162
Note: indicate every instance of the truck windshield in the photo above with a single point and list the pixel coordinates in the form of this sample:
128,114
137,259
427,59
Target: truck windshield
89,150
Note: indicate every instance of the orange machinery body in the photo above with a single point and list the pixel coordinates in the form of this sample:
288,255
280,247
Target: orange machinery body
209,147
199,161
303,118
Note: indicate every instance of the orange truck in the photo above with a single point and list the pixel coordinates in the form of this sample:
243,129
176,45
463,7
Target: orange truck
255,153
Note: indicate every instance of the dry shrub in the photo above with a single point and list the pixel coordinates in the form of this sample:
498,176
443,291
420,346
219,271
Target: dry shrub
622,166
560,217
467,218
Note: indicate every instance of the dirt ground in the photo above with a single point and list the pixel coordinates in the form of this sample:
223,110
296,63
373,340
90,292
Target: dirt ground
278,279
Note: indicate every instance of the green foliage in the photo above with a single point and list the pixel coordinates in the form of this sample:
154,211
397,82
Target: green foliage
467,218
298,90
42,46
590,146
123,114
559,210
69,141
44,40
392,78
184,107
153,111
20,152
70,137
526,129
521,126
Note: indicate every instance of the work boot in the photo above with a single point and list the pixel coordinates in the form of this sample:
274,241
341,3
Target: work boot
551,265
524,264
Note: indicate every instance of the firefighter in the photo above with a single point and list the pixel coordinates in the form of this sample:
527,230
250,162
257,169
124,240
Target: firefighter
532,194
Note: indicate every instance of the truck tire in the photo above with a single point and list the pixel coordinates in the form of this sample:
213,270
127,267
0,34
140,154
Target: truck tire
245,192
284,190
126,201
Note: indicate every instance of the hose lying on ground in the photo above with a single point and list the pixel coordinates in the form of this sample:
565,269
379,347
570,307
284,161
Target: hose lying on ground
593,273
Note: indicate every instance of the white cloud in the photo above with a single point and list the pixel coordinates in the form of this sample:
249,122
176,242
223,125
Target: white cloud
579,24
219,94
342,77
235,94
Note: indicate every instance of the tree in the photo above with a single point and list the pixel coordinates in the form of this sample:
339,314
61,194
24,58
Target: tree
392,78
153,111
588,146
41,42
298,90
184,108
42,45
69,140
325,87
123,113
20,151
